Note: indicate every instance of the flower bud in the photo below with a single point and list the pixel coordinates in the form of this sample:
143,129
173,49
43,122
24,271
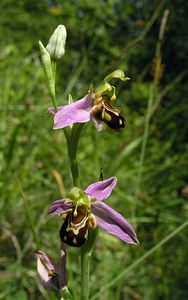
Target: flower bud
56,44
46,62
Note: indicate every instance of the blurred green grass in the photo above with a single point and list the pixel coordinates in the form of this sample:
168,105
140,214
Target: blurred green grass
152,188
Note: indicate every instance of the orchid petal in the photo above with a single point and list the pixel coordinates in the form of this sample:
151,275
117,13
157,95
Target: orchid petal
76,112
44,265
59,206
46,260
111,221
98,126
101,189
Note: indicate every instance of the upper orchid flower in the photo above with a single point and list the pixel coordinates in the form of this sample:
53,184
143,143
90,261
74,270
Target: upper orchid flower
52,275
96,106
82,210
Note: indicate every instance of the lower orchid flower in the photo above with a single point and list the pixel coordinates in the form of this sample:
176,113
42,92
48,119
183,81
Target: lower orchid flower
84,210
52,275
94,106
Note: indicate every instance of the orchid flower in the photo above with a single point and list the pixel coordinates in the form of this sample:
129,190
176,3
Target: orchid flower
52,275
84,210
96,106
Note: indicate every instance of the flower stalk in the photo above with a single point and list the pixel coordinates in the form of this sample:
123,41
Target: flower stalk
72,136
85,270
83,212
86,253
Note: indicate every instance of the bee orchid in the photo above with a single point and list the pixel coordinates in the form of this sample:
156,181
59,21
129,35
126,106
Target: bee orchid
95,106
84,210
52,275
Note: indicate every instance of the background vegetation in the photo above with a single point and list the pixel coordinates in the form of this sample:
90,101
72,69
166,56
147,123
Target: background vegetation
149,157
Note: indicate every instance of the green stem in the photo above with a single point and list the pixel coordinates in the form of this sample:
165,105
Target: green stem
85,267
72,150
54,102
74,171
74,140
86,253
53,94
72,137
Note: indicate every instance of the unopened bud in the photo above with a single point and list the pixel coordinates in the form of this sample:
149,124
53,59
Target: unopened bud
56,44
46,62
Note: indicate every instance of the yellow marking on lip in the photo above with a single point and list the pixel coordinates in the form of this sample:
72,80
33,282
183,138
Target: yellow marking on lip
65,238
76,227
120,122
92,222
74,241
75,231
107,117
